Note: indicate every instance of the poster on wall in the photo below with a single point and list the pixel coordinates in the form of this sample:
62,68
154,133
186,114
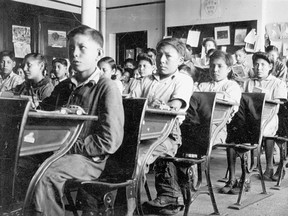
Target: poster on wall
273,31
193,38
222,35
21,38
240,35
56,38
210,9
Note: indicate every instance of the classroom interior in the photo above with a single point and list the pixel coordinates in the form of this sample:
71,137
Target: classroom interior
131,26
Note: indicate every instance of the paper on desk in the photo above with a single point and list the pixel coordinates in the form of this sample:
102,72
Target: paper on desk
193,38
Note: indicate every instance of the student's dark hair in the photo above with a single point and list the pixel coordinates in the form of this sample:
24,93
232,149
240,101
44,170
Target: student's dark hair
209,39
39,57
129,70
271,48
150,50
145,57
210,52
218,54
174,42
118,67
10,54
185,67
129,60
262,55
109,60
86,30
62,61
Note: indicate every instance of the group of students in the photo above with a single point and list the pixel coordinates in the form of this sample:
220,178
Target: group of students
94,89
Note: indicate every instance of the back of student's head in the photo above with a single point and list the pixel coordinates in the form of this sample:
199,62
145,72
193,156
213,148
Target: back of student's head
150,50
10,54
62,61
86,30
108,60
209,39
218,54
129,61
271,48
39,57
145,57
174,42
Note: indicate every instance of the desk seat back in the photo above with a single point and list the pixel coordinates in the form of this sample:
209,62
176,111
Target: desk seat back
121,165
197,126
245,126
13,116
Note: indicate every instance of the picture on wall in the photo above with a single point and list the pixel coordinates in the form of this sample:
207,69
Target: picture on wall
222,35
240,35
57,38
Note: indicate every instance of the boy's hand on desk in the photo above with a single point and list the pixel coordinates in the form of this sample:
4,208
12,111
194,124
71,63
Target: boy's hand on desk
158,104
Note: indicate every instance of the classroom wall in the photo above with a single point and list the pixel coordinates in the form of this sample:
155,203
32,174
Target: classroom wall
148,18
275,11
187,12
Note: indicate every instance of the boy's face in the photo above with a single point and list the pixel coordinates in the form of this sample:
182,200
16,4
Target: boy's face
84,54
240,57
262,68
145,68
129,65
273,55
106,69
60,70
6,65
219,70
167,60
33,69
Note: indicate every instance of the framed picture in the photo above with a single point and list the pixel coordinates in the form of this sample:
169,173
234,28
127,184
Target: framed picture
222,35
240,35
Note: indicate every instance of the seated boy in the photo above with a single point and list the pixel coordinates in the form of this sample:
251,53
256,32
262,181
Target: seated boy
275,89
220,66
172,89
97,140
279,69
36,85
8,79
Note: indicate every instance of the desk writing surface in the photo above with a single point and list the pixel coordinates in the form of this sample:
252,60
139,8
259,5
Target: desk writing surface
48,131
156,122
221,109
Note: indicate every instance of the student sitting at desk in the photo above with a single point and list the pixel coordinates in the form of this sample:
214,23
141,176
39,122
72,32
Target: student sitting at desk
146,66
8,79
275,89
36,85
97,96
167,88
220,66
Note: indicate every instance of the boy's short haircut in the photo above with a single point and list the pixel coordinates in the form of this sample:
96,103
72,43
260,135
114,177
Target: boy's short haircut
41,58
271,48
174,42
129,60
86,30
150,50
223,55
242,50
60,60
108,60
145,57
10,54
209,39
262,55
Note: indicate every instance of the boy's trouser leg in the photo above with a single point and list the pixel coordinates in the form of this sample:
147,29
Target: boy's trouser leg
49,191
166,179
